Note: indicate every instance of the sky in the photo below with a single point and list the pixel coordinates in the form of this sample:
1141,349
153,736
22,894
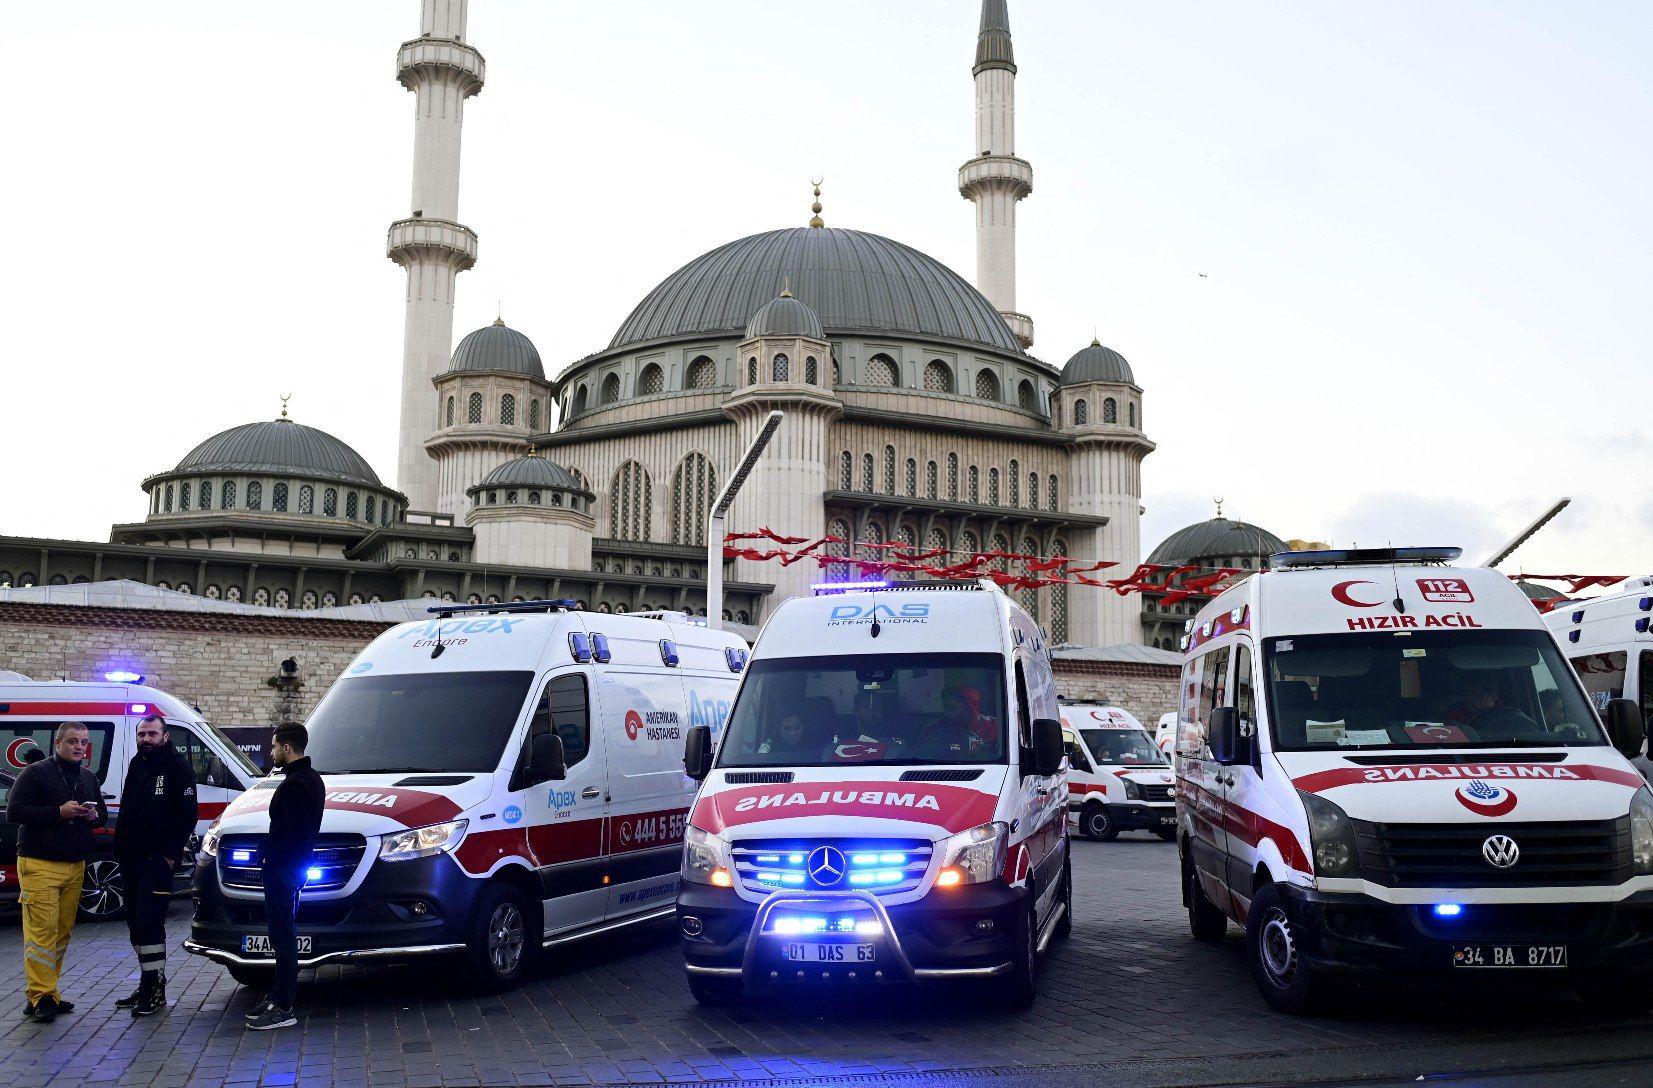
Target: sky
1383,271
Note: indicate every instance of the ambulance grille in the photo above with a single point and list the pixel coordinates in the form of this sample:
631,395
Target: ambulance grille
949,774
880,866
1565,854
1157,793
336,856
756,778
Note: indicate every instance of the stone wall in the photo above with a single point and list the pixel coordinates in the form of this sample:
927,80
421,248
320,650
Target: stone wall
1147,691
221,662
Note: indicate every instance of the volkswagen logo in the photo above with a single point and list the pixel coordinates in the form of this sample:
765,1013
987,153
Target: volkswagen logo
826,865
1500,851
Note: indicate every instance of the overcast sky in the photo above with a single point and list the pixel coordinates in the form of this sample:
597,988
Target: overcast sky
1425,229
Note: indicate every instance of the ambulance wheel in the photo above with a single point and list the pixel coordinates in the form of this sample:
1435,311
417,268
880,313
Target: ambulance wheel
1021,984
1205,921
258,978
1095,825
1064,926
102,895
713,992
1275,956
503,936
1169,834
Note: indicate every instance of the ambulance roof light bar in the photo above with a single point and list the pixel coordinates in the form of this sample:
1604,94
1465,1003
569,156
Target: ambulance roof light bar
562,604
1358,557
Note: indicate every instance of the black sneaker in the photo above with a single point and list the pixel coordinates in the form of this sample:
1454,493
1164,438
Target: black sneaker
154,1001
131,999
28,1009
45,1010
271,1018
258,1009
65,1007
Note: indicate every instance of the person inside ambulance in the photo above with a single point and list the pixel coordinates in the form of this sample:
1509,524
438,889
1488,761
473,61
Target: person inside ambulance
876,730
1474,697
795,738
962,731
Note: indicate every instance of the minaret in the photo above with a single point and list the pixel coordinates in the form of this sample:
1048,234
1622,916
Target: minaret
996,179
442,71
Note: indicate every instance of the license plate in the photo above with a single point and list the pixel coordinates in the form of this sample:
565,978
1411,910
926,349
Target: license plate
261,945
1167,821
1509,955
810,952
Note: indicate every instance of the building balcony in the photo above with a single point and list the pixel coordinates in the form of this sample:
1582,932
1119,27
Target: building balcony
425,59
440,240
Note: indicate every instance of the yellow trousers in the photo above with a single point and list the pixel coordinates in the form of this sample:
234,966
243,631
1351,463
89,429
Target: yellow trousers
50,895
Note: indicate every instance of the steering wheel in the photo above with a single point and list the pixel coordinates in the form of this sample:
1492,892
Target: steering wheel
942,739
1505,720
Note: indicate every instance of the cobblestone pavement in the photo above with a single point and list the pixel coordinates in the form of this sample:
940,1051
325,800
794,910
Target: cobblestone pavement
1129,1000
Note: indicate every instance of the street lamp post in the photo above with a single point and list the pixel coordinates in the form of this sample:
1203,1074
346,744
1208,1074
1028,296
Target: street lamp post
720,508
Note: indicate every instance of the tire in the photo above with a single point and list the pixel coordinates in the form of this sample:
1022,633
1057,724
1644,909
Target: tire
1021,985
502,937
1205,921
102,899
1273,952
1095,825
716,991
1064,927
259,978
1169,834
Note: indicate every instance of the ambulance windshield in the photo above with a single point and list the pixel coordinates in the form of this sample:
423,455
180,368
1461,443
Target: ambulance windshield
868,709
416,722
1413,689
1123,747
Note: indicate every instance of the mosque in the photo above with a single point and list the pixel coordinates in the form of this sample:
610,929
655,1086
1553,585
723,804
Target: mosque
915,412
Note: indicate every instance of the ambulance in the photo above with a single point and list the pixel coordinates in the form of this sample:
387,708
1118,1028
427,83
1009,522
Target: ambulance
888,802
1118,778
500,779
1609,643
1387,769
31,711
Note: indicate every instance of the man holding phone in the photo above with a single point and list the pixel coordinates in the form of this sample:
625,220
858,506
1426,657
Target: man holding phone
55,803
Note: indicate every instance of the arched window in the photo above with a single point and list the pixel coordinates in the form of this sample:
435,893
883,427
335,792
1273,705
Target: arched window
371,503
881,372
993,488
1081,413
329,502
781,370
629,516
473,409
350,501
534,498
183,496
702,374
1132,410
508,410
651,381
511,498
278,498
912,477
846,471
930,480
226,497
974,478
1001,543
1110,411
871,533
534,414
169,498
1026,397
867,480
953,476
1059,601
1015,481
937,540
907,537
889,470
968,545
1033,491
987,385
838,572
938,377
694,486
611,389
449,417
812,371
306,499
752,371
309,600
1051,497
233,593
579,400
206,494
212,592
1030,595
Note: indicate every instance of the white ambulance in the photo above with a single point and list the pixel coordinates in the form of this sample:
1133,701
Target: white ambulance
500,778
1386,766
1610,645
888,802
30,712
1118,779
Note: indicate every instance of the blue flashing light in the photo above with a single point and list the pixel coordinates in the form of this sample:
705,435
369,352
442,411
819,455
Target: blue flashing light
123,676
863,859
883,876
768,859
1641,624
1448,910
138,708
794,859
241,856
892,859
579,647
312,874
792,878
820,589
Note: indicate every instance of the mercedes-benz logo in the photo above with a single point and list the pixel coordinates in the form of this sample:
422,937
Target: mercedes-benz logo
1500,851
826,865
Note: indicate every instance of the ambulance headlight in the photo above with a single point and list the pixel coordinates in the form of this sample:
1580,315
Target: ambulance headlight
1331,836
1641,831
976,855
209,844
422,842
705,857
1133,792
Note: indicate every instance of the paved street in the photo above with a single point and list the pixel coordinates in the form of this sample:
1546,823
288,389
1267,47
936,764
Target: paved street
1129,1000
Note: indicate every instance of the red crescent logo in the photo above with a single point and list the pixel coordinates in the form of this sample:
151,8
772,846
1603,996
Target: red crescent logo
634,724
1496,806
14,751
1341,592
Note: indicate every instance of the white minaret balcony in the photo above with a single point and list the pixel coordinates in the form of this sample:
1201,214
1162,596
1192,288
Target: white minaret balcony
441,241
988,172
424,60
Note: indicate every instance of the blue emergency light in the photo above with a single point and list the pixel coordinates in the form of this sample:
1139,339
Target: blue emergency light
1351,557
123,676
312,874
1448,910
241,857
821,589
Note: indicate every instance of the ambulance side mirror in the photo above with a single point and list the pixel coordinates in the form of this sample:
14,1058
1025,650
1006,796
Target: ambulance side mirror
1624,727
697,752
1228,748
1047,747
546,761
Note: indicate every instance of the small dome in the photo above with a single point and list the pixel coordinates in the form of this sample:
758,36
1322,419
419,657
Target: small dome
1536,592
279,446
531,471
497,347
1097,364
1218,538
785,316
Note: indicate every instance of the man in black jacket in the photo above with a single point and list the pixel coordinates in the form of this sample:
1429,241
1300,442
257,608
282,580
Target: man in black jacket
55,803
156,817
295,820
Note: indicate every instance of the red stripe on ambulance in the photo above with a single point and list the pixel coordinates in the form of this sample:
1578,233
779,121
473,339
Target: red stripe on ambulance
1499,771
951,807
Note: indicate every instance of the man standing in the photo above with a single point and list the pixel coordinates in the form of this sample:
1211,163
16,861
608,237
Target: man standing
156,818
55,804
295,820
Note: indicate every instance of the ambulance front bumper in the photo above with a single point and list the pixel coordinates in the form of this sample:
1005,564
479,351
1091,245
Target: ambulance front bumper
1361,934
962,933
1143,815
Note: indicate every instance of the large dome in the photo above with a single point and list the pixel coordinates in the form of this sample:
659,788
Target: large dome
279,446
855,281
498,347
1218,538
